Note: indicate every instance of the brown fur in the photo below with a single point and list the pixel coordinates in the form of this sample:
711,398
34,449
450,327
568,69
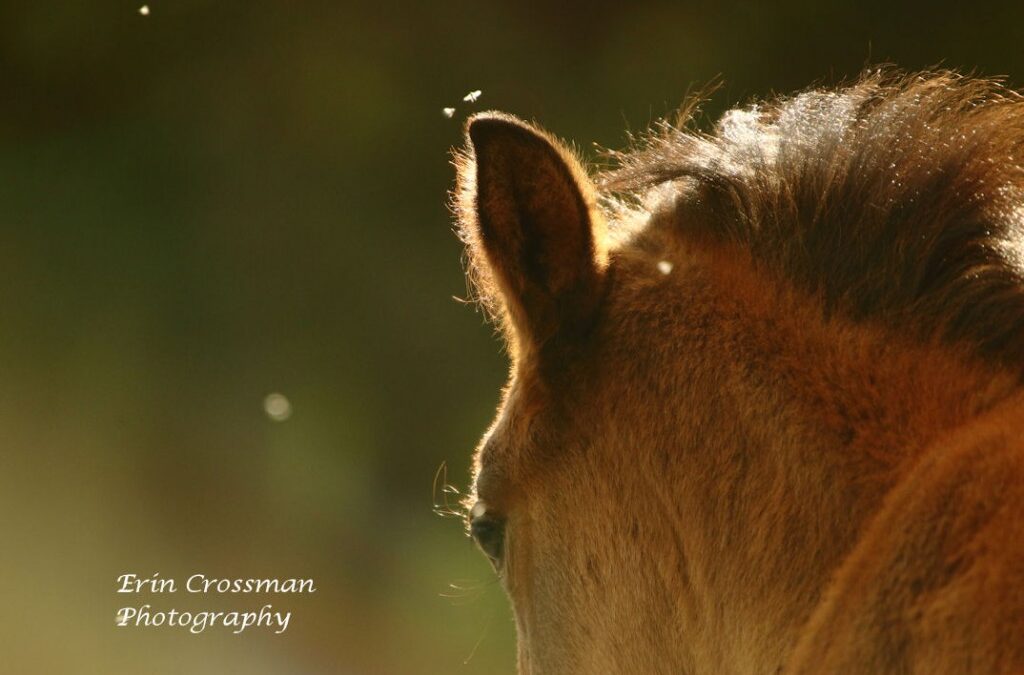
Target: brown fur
799,448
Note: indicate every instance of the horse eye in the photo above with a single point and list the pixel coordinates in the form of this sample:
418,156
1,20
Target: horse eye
488,531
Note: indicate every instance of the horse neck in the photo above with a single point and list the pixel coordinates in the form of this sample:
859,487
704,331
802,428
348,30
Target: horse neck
823,417
878,389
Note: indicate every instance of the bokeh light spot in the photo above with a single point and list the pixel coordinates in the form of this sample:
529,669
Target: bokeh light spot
277,407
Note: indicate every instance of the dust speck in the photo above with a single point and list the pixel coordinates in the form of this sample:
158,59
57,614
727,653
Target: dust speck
472,96
664,267
144,10
277,407
448,112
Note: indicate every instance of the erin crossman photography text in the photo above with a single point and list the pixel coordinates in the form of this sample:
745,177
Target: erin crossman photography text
237,621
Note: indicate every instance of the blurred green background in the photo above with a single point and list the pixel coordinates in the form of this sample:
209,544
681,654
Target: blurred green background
221,200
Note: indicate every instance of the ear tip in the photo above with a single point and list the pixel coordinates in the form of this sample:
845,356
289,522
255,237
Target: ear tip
482,128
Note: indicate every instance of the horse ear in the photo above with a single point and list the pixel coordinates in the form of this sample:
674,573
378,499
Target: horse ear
528,209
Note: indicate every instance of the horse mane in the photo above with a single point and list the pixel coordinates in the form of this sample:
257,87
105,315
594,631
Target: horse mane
897,198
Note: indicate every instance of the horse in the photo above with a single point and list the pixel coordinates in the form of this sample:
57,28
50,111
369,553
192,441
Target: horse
765,410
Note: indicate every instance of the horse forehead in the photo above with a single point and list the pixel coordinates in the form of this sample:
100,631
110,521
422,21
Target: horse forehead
534,422
500,456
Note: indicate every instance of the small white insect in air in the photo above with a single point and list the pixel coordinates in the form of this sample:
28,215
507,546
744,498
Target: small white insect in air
472,96
144,10
277,407
448,112
664,267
